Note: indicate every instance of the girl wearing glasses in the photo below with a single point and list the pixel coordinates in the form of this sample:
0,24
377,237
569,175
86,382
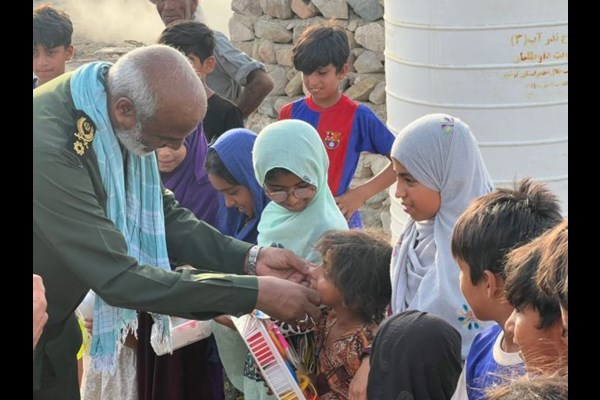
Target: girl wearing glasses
290,162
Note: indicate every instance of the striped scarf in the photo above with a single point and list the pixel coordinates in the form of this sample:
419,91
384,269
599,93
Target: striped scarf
134,204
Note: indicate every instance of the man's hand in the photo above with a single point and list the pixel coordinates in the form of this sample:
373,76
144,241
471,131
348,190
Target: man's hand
40,316
358,386
287,301
281,263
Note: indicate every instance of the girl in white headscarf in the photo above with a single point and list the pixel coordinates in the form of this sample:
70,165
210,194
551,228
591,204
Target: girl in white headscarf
439,171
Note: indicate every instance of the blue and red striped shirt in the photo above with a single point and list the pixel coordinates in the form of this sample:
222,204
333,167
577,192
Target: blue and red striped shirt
346,128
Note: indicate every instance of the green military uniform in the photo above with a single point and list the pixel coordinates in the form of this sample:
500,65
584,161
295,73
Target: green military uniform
77,247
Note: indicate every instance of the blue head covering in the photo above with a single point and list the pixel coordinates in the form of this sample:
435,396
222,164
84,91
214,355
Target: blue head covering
234,148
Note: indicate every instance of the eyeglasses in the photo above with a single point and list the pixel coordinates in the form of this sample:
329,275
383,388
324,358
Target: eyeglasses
280,196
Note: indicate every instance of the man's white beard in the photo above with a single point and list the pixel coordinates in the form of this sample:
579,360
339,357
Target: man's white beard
132,140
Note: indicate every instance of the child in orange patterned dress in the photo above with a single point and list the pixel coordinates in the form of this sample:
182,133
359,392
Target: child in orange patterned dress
354,282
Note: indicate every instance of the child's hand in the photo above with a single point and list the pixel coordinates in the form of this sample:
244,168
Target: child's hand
350,202
225,320
88,323
358,386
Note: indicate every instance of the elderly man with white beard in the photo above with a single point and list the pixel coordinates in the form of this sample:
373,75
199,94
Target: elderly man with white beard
102,220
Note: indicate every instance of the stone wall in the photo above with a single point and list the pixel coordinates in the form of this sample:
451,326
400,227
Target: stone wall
268,29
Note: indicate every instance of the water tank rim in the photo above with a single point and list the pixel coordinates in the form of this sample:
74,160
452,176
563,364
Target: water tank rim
476,106
439,27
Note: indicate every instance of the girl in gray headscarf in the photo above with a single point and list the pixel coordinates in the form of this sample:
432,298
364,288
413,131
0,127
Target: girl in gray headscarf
439,171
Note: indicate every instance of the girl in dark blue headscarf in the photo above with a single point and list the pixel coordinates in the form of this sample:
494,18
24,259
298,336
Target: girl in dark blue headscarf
229,167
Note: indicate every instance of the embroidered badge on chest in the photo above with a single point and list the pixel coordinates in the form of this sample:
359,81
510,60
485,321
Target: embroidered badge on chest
84,134
332,140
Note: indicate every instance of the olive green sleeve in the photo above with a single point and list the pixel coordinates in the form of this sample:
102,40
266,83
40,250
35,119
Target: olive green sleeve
69,219
195,242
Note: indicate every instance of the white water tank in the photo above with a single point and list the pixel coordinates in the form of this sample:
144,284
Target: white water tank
499,65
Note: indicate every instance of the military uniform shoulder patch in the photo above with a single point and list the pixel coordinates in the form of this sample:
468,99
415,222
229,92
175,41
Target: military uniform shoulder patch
82,138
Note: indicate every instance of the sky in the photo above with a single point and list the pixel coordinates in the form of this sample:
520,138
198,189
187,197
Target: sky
118,20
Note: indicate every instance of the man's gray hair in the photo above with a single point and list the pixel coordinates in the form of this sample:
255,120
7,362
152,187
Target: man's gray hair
145,73
129,78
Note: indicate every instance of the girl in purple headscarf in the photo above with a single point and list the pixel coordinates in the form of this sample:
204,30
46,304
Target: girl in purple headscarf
182,171
229,167
192,371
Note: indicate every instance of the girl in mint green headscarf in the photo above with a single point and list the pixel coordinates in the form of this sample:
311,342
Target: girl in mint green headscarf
290,162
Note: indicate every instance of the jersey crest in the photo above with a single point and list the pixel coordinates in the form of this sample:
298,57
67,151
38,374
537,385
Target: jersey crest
332,140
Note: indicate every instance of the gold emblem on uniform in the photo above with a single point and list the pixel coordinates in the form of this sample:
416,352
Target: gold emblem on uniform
84,135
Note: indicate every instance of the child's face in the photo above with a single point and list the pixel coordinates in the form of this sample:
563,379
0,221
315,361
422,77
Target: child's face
540,348
202,68
290,192
169,159
476,295
420,202
323,84
50,63
323,284
237,196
